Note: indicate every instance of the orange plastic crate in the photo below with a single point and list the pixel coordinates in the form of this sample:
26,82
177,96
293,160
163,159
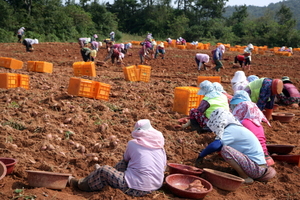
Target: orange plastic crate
181,47
186,98
88,88
31,66
131,73
102,91
81,87
11,80
45,67
144,73
23,81
84,69
40,66
209,78
10,63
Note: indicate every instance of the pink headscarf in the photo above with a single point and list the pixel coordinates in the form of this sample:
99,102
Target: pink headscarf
145,135
249,110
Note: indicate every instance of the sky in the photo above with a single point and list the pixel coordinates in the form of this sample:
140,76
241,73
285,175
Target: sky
251,3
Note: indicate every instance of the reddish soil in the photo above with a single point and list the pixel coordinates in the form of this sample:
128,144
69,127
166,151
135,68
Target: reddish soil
28,116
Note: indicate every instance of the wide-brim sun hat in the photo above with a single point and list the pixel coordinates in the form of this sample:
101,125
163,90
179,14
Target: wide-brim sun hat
239,76
240,96
252,78
277,86
205,86
286,79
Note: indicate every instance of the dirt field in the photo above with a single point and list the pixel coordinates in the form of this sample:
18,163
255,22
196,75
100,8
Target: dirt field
29,116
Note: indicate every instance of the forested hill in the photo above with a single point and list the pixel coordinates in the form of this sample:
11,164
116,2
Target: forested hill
256,11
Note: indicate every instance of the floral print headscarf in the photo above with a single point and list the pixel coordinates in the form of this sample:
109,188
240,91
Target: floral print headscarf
219,120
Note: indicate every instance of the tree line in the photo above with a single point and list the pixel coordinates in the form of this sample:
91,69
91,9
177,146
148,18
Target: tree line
194,20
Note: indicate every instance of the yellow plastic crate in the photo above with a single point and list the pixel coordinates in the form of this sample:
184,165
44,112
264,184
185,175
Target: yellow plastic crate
11,80
84,69
40,66
209,78
102,91
144,73
131,73
186,98
10,63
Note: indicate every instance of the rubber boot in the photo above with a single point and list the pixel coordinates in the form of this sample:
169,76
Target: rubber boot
240,171
268,113
269,160
195,126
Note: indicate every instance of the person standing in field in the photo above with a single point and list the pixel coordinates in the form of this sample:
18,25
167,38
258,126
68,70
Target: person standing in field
217,56
112,36
20,34
247,55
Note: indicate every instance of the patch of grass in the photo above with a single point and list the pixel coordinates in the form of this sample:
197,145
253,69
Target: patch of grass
21,194
14,125
13,104
113,107
68,134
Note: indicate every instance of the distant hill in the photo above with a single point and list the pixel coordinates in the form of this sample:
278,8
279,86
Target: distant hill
256,11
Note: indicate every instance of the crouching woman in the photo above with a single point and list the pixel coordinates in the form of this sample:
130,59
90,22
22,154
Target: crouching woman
238,146
141,170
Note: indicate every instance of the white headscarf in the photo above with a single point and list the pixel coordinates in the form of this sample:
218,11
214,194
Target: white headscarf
239,81
145,135
219,120
222,48
239,76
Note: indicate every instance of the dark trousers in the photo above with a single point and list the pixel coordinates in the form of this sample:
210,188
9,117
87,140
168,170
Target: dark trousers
28,46
85,57
240,61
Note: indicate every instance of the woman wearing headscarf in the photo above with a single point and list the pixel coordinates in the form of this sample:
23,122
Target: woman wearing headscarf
217,56
263,91
247,56
250,116
238,146
252,78
28,42
212,99
239,81
218,86
139,173
290,94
